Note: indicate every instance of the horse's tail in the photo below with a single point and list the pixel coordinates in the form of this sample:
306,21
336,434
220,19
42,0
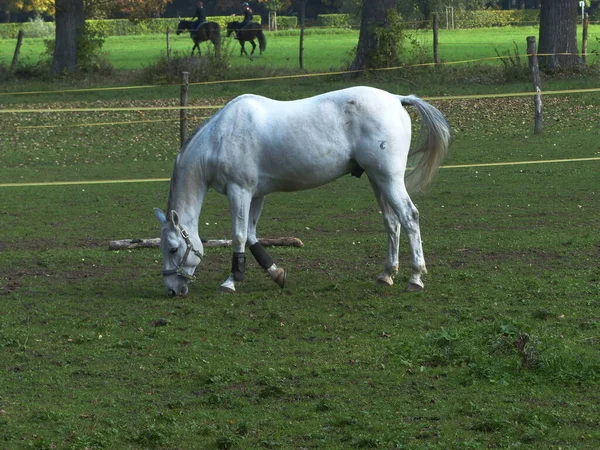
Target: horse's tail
435,137
262,40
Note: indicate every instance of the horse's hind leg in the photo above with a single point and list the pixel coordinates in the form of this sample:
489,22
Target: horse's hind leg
392,226
394,193
243,48
253,47
260,254
239,208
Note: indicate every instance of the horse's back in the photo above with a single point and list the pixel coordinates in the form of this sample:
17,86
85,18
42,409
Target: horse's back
292,145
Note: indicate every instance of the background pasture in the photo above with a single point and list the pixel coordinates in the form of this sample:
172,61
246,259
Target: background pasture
324,49
501,350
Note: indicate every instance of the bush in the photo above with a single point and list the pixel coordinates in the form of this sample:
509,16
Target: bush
493,18
89,48
38,28
208,67
284,23
121,27
338,20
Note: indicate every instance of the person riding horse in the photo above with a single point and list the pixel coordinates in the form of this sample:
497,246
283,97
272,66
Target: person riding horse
200,15
248,16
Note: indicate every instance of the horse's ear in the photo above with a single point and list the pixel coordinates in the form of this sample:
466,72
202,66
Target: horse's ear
174,218
160,216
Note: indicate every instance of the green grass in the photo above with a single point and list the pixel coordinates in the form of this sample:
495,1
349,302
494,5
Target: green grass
323,51
501,350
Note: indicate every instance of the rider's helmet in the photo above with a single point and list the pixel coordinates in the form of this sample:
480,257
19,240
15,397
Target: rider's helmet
245,4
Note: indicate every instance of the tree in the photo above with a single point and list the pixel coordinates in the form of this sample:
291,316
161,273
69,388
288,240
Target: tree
71,33
375,17
70,20
558,33
140,9
38,6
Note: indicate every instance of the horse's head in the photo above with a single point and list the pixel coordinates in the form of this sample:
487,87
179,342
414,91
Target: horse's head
231,27
181,256
181,26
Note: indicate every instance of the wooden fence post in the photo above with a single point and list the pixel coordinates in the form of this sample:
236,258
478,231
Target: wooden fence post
185,83
168,46
436,30
15,59
586,23
534,70
302,17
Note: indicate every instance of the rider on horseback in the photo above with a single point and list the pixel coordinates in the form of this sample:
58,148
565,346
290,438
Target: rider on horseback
247,15
200,15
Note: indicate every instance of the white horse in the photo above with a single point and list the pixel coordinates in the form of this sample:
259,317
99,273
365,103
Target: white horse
255,146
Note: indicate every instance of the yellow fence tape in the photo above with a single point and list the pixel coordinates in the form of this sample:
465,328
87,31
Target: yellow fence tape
154,180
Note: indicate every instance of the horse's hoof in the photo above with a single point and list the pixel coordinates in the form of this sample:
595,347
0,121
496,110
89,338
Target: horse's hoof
279,277
226,290
414,287
386,281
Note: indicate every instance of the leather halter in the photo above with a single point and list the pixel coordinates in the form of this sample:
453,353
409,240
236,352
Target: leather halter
189,248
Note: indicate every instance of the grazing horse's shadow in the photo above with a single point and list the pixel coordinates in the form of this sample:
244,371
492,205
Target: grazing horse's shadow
208,31
248,34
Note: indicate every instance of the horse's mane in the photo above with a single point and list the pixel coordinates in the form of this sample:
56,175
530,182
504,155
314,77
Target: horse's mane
175,173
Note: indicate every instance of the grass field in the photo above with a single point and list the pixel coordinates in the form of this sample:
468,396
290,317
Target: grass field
501,350
323,51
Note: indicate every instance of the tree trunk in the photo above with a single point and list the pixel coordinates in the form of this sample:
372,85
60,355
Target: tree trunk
373,15
558,33
70,20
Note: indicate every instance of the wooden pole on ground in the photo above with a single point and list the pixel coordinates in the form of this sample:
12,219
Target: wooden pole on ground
15,59
130,244
436,31
534,70
185,83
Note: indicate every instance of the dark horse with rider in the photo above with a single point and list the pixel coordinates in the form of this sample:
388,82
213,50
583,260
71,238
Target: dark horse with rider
201,30
245,31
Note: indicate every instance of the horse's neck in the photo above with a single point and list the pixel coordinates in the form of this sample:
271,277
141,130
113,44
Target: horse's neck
186,197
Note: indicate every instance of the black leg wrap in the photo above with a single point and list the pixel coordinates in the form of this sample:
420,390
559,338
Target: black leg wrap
261,256
238,266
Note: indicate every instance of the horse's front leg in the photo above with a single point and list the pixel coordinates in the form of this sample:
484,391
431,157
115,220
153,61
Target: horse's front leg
195,47
277,274
239,209
243,48
253,47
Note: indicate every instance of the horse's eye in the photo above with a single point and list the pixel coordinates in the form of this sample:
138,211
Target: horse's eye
173,250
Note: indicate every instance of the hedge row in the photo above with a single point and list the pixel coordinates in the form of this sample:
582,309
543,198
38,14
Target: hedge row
123,27
462,19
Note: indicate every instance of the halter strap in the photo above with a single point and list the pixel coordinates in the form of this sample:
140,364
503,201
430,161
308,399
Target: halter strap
189,248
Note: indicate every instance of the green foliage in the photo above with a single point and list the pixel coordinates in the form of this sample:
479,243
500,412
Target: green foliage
89,48
390,41
514,68
89,44
286,22
338,20
209,67
38,27
494,18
